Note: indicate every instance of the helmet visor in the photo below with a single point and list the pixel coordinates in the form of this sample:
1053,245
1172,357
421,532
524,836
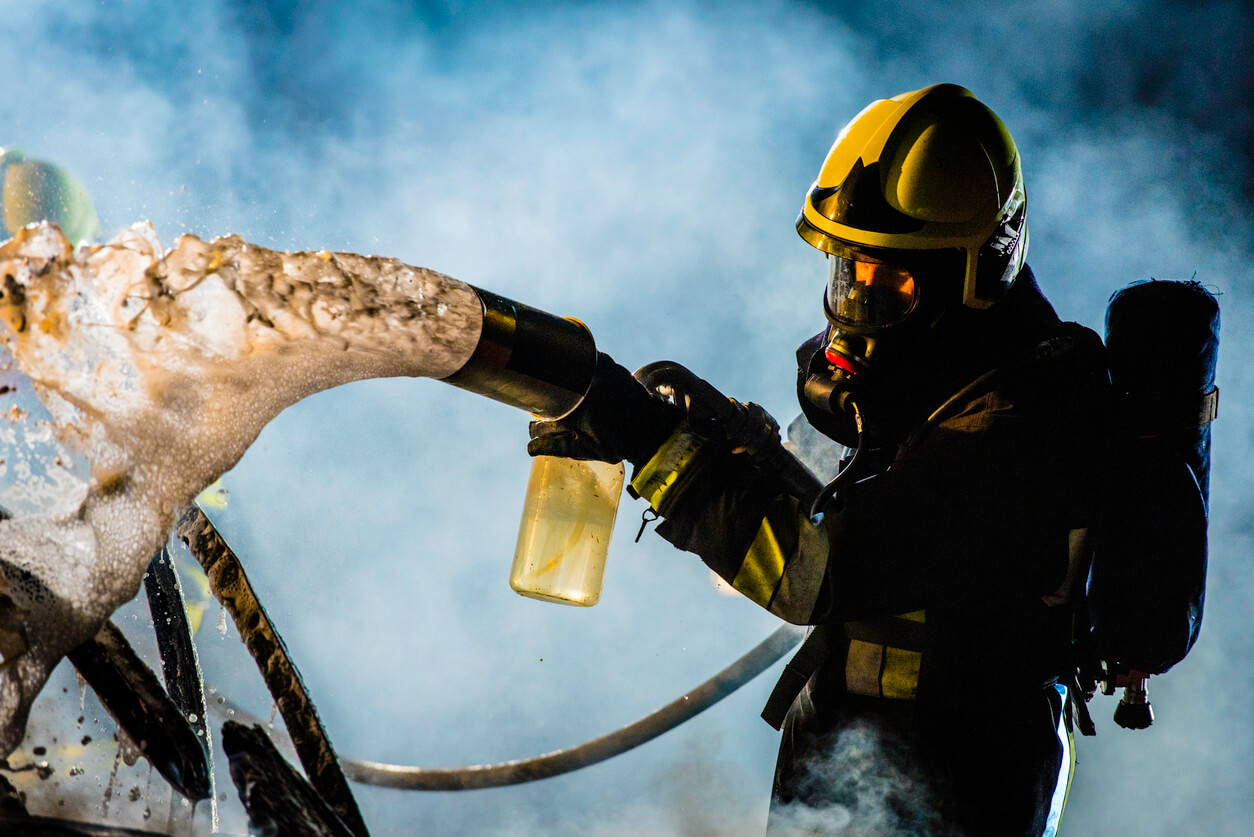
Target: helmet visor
863,293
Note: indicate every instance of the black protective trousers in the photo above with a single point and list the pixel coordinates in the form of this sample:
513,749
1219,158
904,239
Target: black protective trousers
855,765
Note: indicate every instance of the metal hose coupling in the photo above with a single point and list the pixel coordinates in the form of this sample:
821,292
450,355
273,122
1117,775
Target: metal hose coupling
1134,710
528,358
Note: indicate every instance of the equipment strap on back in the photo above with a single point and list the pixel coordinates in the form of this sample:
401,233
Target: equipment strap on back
814,650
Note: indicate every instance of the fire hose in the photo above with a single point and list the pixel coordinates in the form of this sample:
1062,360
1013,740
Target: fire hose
533,360
311,743
686,706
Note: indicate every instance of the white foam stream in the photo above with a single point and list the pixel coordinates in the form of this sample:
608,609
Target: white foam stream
154,372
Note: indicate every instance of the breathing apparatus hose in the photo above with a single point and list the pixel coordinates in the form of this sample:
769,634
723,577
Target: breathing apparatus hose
1045,349
847,471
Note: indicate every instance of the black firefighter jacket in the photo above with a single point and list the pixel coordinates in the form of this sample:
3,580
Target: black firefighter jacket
975,529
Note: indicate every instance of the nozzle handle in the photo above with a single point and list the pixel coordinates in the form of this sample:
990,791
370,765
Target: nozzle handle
704,402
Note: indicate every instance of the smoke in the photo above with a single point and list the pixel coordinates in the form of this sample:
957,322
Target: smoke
637,165
868,787
706,795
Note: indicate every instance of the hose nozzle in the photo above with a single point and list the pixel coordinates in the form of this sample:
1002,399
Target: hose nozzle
528,358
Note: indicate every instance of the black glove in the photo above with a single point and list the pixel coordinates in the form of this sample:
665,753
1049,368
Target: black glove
751,431
617,420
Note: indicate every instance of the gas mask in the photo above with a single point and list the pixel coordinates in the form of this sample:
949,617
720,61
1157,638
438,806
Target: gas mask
874,361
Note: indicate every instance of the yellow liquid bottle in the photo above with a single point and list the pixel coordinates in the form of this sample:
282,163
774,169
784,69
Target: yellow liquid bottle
567,520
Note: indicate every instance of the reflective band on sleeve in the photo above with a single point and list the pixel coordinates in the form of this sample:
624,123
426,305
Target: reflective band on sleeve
653,479
763,566
803,576
774,549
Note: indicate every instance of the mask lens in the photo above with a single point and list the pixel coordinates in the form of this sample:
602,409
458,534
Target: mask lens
866,294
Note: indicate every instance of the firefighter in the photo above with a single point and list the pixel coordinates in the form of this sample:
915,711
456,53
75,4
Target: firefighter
33,191
938,575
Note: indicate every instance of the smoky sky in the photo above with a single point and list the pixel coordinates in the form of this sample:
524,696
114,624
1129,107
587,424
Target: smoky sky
639,166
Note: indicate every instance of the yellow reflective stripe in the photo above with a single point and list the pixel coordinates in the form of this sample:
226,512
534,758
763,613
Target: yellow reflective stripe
900,679
872,669
652,480
884,671
862,668
763,566
803,577
1069,767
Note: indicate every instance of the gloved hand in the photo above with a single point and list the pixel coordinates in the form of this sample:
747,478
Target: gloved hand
751,430
617,420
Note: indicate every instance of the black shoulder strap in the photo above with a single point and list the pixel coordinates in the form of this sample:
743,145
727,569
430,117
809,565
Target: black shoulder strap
814,650
1047,349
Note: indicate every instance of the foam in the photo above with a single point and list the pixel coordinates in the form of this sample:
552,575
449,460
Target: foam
154,372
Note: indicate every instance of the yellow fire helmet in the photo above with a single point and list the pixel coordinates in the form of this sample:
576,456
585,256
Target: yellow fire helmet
36,191
929,170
